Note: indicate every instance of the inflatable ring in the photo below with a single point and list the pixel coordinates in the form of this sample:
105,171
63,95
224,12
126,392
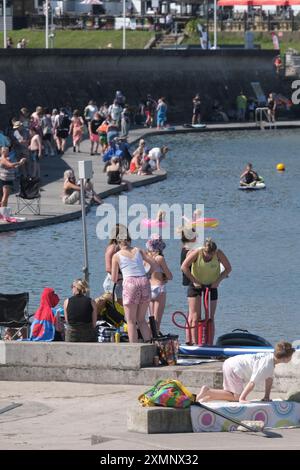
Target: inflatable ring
153,223
205,222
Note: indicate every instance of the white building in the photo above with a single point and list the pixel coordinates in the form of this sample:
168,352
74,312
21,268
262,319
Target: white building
115,7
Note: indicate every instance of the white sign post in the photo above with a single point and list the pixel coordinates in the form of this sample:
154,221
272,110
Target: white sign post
124,24
215,24
4,25
85,170
46,6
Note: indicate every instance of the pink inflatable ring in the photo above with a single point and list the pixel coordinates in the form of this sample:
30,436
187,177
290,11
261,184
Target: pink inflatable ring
153,223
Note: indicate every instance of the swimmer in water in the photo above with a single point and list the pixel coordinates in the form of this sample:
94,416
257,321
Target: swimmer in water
248,176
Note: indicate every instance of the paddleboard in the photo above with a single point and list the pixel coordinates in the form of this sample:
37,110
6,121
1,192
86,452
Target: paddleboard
253,186
213,351
195,126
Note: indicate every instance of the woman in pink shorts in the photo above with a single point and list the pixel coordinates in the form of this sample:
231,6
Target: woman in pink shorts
136,286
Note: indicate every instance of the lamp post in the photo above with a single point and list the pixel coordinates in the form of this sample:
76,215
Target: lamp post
4,25
85,170
215,24
124,24
47,24
207,24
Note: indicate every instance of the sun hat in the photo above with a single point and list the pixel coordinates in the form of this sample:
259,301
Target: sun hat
155,243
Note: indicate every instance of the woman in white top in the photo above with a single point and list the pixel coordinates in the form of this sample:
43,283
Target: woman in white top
241,374
136,286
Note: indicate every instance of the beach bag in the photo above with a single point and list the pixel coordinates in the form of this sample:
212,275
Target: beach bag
113,313
167,349
110,311
105,332
168,393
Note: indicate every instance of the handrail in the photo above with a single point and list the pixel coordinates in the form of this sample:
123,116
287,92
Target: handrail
260,113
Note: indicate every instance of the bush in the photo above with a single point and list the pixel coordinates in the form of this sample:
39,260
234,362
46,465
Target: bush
191,26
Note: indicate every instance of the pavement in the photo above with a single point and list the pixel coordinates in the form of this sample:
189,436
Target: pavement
69,416
52,170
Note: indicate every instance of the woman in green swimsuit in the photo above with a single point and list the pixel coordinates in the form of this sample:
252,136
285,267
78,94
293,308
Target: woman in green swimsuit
203,269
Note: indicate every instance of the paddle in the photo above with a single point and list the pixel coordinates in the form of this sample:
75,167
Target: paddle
10,407
239,423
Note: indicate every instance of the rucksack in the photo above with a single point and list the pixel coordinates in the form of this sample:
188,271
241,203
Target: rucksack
109,311
65,123
168,393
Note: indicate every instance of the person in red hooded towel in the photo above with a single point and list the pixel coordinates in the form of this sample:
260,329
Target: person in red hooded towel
43,327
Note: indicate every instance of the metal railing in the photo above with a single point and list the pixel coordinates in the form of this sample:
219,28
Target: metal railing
262,117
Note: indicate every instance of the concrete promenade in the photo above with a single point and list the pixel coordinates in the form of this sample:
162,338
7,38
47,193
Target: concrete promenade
73,416
54,211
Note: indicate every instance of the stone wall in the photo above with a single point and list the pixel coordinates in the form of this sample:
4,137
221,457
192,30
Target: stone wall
57,77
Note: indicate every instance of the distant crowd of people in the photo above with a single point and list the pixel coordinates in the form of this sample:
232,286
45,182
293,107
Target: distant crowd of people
21,44
246,107
44,133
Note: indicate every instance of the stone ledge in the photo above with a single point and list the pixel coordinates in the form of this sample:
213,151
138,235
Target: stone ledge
119,356
97,375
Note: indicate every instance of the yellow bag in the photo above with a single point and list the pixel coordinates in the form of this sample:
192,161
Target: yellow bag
109,311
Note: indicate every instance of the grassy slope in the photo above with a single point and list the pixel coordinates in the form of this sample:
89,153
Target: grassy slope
288,40
137,39
82,39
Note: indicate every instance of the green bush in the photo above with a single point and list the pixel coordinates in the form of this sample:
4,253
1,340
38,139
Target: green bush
191,26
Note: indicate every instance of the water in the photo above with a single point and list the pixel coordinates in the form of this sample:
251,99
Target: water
259,232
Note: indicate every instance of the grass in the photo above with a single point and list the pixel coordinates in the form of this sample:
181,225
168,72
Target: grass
288,40
82,39
138,39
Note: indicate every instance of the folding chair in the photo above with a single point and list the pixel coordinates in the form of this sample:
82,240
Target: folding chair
14,312
29,196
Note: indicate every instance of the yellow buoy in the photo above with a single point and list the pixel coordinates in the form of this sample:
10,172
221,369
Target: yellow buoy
280,166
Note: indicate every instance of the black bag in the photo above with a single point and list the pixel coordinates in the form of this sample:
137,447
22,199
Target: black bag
113,312
64,124
112,315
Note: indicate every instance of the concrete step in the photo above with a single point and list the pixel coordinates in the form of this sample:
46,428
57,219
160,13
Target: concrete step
119,356
121,363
